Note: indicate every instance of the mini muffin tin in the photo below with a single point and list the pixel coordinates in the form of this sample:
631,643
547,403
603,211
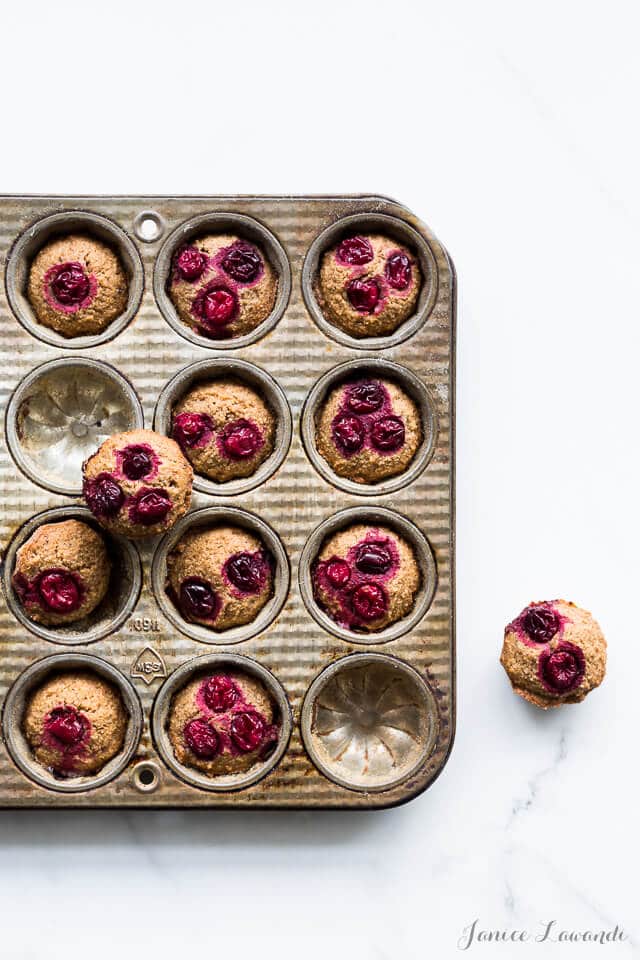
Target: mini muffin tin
366,720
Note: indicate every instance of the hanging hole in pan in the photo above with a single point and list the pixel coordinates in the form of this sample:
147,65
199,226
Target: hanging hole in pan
146,776
148,226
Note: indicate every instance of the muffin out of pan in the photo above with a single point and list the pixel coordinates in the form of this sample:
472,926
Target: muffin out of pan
368,285
77,285
222,285
137,484
224,428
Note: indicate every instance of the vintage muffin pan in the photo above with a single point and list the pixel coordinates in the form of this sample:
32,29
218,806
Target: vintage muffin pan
364,719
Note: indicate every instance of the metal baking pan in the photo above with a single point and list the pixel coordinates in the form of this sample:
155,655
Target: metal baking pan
315,671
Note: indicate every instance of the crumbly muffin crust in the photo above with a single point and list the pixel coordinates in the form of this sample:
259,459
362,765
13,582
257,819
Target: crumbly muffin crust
366,577
224,428
220,577
222,286
62,572
222,723
553,653
75,723
368,285
368,430
138,483
77,285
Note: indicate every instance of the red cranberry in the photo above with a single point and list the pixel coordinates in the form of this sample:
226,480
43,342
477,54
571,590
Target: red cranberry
219,693
190,263
348,434
247,730
365,397
246,571
562,669
67,725
388,434
373,558
216,306
369,601
242,263
69,284
397,270
103,494
540,624
337,572
363,295
355,250
190,429
198,599
137,461
149,506
60,591
201,739
241,439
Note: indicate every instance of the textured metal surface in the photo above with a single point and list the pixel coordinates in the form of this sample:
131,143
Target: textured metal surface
294,501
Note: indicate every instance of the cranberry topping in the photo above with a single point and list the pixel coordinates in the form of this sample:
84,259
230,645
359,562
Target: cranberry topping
337,572
363,295
103,494
149,506
397,270
219,693
355,250
373,558
69,283
247,730
216,306
241,439
388,434
137,461
369,601
562,669
365,397
201,739
66,725
59,590
540,624
348,434
198,600
191,429
246,571
190,263
242,263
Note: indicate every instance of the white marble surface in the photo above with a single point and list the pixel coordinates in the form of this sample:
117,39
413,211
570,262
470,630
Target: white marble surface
512,129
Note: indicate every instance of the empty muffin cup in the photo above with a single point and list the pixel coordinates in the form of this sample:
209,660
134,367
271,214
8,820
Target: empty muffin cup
55,227
246,228
354,370
201,666
257,379
362,224
371,517
17,701
61,412
208,519
121,596
369,722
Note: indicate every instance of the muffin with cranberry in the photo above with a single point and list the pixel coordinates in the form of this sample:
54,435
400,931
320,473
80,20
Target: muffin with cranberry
220,577
77,285
61,573
366,578
222,286
75,723
368,430
554,653
224,428
368,285
138,483
222,723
